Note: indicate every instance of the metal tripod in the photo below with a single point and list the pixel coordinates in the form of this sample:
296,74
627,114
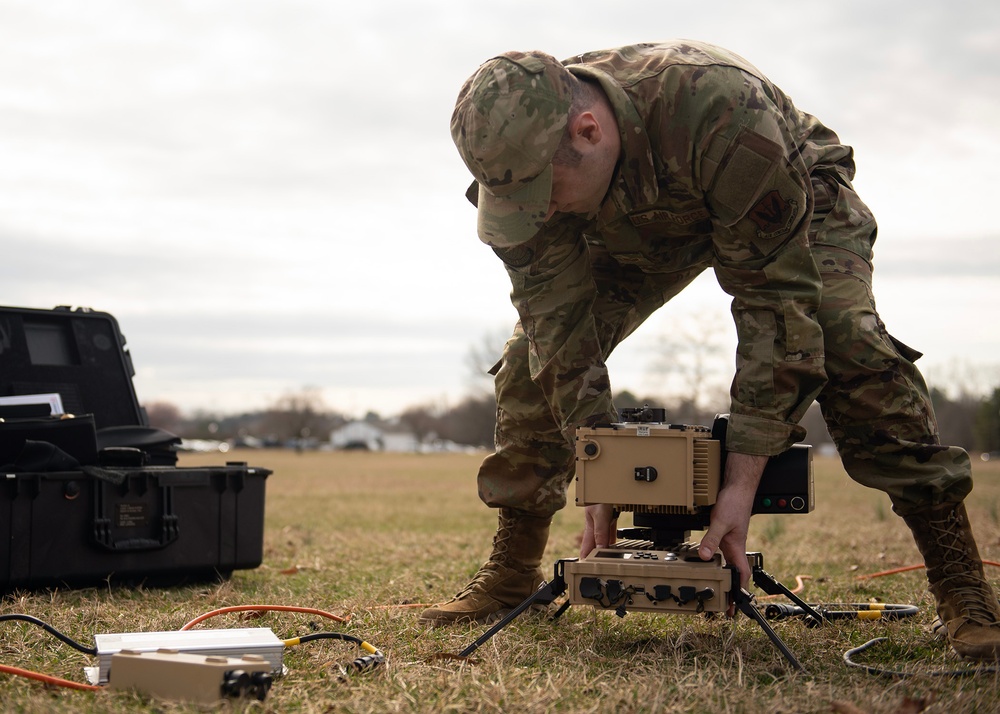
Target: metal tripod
548,592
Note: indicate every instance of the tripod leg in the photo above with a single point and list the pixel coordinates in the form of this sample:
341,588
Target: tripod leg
767,582
545,595
560,611
745,605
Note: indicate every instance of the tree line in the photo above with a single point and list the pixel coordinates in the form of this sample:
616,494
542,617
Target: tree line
302,419
690,363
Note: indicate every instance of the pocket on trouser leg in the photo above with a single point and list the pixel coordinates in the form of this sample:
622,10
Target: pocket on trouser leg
869,379
876,403
533,479
914,474
532,463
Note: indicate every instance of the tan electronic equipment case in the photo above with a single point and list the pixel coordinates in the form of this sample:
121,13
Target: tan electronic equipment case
651,468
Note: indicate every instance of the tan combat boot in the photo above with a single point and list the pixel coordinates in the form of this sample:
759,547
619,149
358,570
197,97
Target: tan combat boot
966,604
506,580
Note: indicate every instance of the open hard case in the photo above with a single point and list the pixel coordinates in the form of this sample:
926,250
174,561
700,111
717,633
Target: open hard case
89,492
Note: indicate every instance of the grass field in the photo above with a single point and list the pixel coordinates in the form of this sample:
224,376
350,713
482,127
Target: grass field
372,537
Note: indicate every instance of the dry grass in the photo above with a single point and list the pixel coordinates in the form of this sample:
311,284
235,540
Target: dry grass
374,536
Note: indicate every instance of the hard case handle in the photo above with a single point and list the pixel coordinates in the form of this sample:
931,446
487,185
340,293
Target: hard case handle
104,526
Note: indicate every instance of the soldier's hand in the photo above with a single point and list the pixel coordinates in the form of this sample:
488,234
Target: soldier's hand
730,521
600,528
727,531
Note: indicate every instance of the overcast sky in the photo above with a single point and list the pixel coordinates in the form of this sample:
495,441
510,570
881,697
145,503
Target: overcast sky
265,192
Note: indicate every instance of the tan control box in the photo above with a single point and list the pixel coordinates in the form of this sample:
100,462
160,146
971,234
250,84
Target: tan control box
647,467
635,577
169,674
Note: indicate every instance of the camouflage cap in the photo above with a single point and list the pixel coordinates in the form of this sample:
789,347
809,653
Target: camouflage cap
509,119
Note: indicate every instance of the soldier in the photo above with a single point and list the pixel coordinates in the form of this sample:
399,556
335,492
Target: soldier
606,184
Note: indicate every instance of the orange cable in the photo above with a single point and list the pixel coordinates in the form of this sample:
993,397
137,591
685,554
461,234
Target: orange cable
906,568
893,571
48,679
264,608
799,587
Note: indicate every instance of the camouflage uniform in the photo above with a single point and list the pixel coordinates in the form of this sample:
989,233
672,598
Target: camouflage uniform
715,168
718,170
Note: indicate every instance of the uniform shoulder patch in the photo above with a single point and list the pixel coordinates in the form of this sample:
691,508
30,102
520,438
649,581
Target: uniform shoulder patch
773,214
516,256
744,172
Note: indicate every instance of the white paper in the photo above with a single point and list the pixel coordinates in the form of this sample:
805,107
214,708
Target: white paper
53,400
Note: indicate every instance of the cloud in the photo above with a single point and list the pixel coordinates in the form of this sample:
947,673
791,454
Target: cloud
248,361
265,193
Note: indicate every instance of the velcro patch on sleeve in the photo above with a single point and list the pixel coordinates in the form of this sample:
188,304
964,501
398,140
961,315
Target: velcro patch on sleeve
743,174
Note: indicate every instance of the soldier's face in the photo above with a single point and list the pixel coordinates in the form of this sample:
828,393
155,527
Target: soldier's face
579,189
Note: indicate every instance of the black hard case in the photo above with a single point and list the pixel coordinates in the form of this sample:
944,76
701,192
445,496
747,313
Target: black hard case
110,519
160,525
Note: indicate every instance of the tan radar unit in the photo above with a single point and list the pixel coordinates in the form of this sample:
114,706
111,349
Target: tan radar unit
658,468
634,576
668,476
648,468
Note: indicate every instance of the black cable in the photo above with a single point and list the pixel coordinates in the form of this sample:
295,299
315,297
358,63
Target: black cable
870,669
367,662
52,631
329,636
854,611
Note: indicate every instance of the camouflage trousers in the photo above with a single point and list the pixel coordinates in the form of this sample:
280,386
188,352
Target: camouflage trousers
876,404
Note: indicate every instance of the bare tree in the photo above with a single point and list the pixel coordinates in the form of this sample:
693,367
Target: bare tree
472,421
692,361
962,378
423,421
164,415
298,415
481,357
987,428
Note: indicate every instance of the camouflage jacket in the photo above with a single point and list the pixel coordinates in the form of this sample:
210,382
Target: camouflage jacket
715,171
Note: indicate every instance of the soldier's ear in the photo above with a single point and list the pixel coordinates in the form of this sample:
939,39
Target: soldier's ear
586,126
